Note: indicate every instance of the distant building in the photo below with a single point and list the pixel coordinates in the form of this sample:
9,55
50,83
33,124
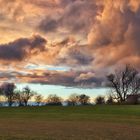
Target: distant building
133,99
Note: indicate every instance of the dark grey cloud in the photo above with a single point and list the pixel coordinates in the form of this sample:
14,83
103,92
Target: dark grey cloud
22,48
76,17
48,24
75,56
72,78
68,79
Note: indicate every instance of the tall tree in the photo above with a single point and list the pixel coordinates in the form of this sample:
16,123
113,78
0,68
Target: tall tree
7,90
83,99
19,97
73,99
124,82
26,95
53,99
38,99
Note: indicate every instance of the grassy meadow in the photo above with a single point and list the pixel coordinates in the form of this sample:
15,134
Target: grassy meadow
103,122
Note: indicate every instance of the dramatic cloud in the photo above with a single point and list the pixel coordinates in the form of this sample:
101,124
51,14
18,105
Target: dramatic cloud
66,78
90,37
75,18
74,56
114,35
22,48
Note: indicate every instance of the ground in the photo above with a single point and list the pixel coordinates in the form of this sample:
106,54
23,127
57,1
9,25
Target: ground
114,122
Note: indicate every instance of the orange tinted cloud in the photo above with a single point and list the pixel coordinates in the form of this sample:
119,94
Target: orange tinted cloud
92,37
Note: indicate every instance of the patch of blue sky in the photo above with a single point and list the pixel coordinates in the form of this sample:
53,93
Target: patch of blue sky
62,91
46,67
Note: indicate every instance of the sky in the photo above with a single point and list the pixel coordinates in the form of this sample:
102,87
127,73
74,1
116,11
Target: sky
62,91
67,46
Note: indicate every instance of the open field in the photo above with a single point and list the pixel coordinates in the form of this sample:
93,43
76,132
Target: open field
70,123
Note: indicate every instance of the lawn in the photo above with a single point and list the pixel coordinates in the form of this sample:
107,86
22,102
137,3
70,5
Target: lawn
114,122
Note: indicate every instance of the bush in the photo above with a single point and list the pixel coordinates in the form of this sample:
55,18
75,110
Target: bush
100,100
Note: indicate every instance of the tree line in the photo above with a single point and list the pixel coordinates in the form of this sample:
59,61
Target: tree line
122,83
22,97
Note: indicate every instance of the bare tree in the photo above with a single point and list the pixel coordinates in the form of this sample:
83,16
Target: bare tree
83,99
26,95
73,99
19,97
123,83
53,99
7,90
38,99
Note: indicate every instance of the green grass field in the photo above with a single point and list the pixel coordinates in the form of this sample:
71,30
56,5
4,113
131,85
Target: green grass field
70,123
